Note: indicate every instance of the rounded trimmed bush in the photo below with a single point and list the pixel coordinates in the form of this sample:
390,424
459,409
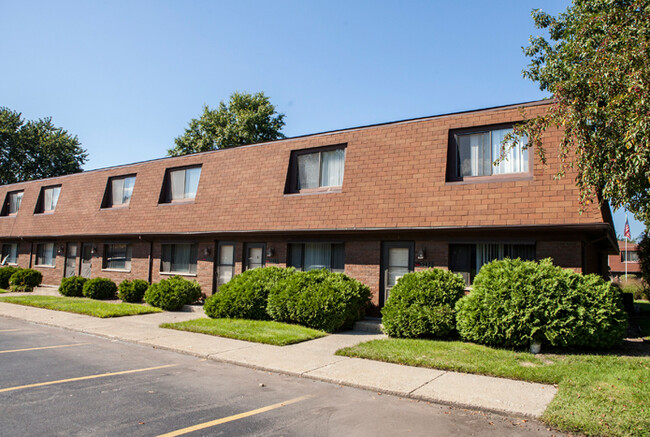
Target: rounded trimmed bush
318,299
421,304
72,286
5,275
100,289
132,291
171,294
246,295
515,302
25,280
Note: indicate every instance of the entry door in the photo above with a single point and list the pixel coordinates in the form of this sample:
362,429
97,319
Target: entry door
225,263
71,260
396,261
255,256
86,260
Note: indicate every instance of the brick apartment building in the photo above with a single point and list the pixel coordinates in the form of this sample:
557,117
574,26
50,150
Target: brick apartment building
374,202
629,258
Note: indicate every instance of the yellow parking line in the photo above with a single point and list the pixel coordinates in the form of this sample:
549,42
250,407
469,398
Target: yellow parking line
81,378
234,417
41,348
9,330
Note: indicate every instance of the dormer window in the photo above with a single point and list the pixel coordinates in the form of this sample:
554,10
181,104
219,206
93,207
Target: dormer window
472,153
315,170
12,203
180,184
48,199
118,191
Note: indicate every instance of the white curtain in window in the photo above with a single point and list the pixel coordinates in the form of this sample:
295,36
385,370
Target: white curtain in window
333,164
486,253
192,176
47,200
308,170
516,159
55,197
14,204
177,179
48,254
129,183
181,258
118,191
318,256
10,252
474,154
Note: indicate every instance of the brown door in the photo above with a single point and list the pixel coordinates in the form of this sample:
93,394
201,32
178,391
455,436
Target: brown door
71,260
396,261
86,260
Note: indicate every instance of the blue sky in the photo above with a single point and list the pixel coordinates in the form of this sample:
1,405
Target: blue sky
127,76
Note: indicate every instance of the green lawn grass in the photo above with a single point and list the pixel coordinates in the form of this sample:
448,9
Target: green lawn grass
606,395
268,332
81,305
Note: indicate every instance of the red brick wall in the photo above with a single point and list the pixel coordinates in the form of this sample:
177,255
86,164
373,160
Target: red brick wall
567,254
362,259
616,266
362,263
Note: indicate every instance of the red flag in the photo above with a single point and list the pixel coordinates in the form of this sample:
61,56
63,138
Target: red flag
626,232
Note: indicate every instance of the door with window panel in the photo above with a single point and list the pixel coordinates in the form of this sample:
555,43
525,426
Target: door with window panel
71,260
255,256
225,263
397,260
86,260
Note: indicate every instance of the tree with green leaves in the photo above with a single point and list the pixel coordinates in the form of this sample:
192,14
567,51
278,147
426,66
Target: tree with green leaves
36,149
644,257
596,63
246,119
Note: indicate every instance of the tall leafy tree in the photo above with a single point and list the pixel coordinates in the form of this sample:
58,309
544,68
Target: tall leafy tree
596,63
36,149
246,119
644,257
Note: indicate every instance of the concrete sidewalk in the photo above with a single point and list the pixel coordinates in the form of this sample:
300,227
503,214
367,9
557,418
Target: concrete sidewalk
311,359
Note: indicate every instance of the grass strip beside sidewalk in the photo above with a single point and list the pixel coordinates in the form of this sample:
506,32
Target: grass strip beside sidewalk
606,395
258,331
81,305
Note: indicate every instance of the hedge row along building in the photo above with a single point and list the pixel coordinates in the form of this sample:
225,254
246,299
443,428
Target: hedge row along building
374,202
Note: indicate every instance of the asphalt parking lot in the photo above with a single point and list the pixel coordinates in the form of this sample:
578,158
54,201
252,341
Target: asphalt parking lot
57,382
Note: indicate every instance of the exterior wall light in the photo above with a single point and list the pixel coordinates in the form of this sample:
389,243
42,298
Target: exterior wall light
270,252
422,254
207,251
93,250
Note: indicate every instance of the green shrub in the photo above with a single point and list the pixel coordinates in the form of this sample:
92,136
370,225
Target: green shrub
25,280
132,291
246,295
422,304
318,299
5,274
171,294
515,302
100,288
72,286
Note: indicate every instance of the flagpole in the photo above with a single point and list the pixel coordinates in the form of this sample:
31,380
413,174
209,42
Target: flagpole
625,258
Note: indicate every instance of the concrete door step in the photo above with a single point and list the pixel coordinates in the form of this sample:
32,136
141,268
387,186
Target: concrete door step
369,325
